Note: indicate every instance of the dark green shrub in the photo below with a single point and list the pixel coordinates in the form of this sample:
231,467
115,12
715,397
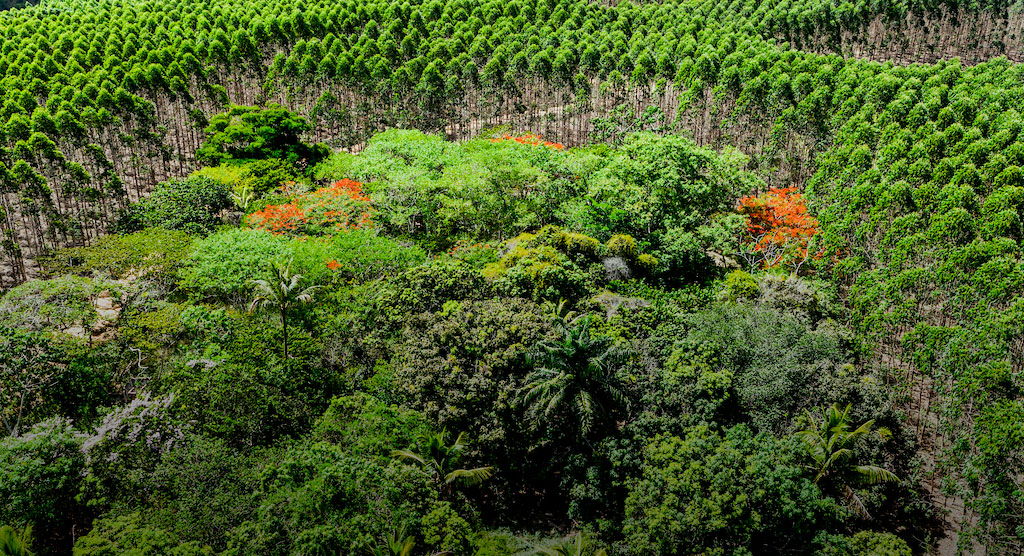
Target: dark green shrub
40,473
425,288
153,254
623,245
865,543
58,304
320,499
222,266
444,530
264,176
256,133
204,488
543,274
126,447
114,535
739,285
368,427
708,493
463,368
192,205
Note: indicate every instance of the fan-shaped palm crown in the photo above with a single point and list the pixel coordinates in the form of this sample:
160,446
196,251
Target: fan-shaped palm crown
828,441
441,460
573,376
283,292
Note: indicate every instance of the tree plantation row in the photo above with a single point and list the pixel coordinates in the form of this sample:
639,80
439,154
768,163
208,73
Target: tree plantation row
102,101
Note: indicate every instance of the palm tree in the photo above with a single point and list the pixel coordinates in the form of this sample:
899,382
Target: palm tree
283,292
573,376
561,313
440,460
395,544
13,543
829,442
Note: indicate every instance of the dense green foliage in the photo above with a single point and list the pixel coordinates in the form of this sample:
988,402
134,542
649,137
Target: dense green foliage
101,104
579,314
361,389
190,205
252,133
706,493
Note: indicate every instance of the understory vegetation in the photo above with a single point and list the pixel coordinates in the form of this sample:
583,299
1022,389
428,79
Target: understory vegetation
484,347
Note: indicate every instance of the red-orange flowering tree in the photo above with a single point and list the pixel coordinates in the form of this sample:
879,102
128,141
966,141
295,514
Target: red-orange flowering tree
779,228
341,206
529,139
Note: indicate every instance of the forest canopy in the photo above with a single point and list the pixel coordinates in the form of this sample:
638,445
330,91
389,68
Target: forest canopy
519,277
433,369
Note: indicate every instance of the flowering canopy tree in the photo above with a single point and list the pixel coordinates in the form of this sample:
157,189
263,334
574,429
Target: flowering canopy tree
529,139
341,206
779,229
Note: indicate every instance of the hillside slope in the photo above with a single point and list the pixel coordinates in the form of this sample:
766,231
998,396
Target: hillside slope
913,168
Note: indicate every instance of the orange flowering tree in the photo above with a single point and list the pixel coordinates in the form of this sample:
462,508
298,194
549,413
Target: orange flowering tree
338,207
779,228
529,139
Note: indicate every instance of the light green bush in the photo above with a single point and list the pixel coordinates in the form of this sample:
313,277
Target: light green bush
223,266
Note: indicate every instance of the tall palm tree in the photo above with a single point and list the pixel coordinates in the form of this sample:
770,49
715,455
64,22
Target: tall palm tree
440,460
283,292
573,376
829,440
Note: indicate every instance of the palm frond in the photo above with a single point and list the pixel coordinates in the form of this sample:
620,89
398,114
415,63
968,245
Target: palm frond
873,474
407,456
404,548
863,430
586,411
13,543
395,543
469,477
829,464
460,444
572,546
577,545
